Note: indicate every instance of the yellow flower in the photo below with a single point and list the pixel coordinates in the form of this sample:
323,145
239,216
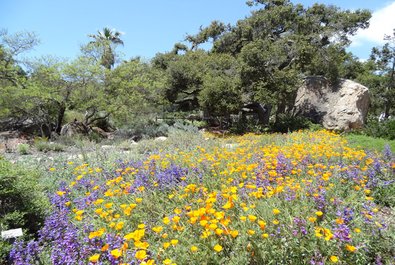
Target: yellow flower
351,248
167,262
116,253
252,218
219,231
141,245
60,193
166,245
334,259
251,232
157,229
119,226
265,235
275,221
203,222
357,230
94,258
166,220
228,205
234,233
194,249
213,226
174,242
176,219
276,211
262,224
79,212
218,248
312,219
141,254
105,247
127,211
78,218
319,213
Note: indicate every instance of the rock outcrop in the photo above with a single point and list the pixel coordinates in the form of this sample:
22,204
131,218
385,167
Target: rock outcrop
337,107
75,128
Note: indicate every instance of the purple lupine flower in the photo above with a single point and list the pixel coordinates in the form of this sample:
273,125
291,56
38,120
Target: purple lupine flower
347,214
22,254
317,259
300,226
387,153
342,232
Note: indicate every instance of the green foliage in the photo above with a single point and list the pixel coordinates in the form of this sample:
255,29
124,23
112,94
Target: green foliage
72,115
261,59
22,202
213,31
221,94
143,128
185,77
23,149
380,129
385,193
136,90
43,145
286,123
369,142
104,42
378,73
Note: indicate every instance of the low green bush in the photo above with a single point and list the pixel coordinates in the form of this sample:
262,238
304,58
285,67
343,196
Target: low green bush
42,145
380,129
23,149
22,203
287,123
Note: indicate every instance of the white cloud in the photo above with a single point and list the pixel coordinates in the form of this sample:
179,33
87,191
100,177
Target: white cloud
382,23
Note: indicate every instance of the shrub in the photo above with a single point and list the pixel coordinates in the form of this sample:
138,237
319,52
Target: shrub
286,123
22,203
43,145
384,129
23,149
143,129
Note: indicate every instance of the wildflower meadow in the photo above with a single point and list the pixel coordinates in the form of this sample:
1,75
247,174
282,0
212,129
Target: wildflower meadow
297,198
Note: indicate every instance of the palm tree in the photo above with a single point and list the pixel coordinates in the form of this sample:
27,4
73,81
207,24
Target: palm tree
106,40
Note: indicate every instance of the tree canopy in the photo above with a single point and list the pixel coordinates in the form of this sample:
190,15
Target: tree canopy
262,59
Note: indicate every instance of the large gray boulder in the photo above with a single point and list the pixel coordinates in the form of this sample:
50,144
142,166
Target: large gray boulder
342,107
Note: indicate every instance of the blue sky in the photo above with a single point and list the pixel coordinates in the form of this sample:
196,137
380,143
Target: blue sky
153,26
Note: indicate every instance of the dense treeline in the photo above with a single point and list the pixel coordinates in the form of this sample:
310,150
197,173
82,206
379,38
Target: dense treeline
261,60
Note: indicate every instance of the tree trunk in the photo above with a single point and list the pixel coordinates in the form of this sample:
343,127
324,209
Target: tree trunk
45,130
387,109
60,118
263,112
